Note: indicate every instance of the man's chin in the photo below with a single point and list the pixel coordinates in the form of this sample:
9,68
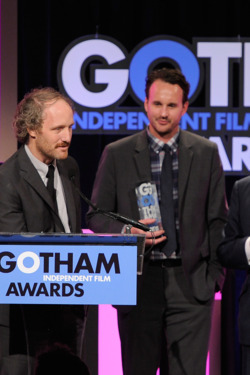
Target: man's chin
61,154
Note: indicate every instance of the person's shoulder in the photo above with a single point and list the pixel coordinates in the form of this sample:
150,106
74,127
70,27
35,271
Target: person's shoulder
196,140
10,162
128,141
241,189
243,182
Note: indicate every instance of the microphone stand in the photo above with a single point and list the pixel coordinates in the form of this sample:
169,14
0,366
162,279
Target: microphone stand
116,216
112,215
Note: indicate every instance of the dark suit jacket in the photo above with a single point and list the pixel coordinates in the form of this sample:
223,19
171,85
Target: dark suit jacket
25,204
202,205
231,252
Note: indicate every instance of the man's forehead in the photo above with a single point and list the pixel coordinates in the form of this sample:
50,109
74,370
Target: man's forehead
160,88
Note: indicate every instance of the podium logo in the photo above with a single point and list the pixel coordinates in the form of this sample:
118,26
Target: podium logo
29,262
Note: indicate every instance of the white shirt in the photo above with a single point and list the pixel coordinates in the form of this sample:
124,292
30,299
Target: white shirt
42,169
247,249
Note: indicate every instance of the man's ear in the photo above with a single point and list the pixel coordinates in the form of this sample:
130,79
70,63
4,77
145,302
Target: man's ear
146,104
32,133
185,107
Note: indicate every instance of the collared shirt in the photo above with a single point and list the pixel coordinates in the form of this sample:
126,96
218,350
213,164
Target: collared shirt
247,249
42,169
156,159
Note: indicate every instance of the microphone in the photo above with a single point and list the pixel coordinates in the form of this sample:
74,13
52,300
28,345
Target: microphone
110,214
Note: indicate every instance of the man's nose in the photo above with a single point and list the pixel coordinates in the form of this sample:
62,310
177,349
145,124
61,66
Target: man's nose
67,134
164,112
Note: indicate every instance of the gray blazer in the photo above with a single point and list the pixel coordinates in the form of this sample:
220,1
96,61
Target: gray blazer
202,204
25,204
232,253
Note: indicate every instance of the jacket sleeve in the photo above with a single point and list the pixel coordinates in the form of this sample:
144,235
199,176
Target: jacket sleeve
231,251
217,216
11,213
104,196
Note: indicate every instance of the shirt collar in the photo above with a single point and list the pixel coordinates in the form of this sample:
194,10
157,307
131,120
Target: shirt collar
41,167
157,145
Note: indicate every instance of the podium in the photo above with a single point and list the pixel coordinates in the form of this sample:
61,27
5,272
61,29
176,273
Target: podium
88,269
84,269
47,280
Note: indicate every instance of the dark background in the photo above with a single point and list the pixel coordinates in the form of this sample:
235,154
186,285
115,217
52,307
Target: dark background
46,27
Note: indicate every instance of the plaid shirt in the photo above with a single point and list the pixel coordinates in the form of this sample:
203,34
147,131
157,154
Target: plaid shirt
156,159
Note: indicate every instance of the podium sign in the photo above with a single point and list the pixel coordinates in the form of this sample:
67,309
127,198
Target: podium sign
68,269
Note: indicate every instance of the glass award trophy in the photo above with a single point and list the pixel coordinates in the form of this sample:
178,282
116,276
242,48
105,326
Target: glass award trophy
148,204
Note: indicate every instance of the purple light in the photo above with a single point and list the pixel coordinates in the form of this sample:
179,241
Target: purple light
109,348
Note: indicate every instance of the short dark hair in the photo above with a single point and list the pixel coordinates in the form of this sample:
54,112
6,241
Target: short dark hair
30,110
172,76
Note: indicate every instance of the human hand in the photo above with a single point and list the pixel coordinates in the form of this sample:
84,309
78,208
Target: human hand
152,238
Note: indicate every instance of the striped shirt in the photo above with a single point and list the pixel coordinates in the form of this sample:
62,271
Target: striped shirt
156,159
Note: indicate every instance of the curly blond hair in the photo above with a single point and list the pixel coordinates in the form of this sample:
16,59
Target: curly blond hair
30,111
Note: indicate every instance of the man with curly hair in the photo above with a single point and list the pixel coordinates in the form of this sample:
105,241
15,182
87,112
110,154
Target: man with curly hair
34,200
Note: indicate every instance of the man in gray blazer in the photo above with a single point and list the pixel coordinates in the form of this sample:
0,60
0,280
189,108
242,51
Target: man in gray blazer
171,321
234,253
32,200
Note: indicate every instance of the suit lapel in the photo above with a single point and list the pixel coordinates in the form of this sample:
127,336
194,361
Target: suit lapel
70,202
142,158
185,163
140,168
32,177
